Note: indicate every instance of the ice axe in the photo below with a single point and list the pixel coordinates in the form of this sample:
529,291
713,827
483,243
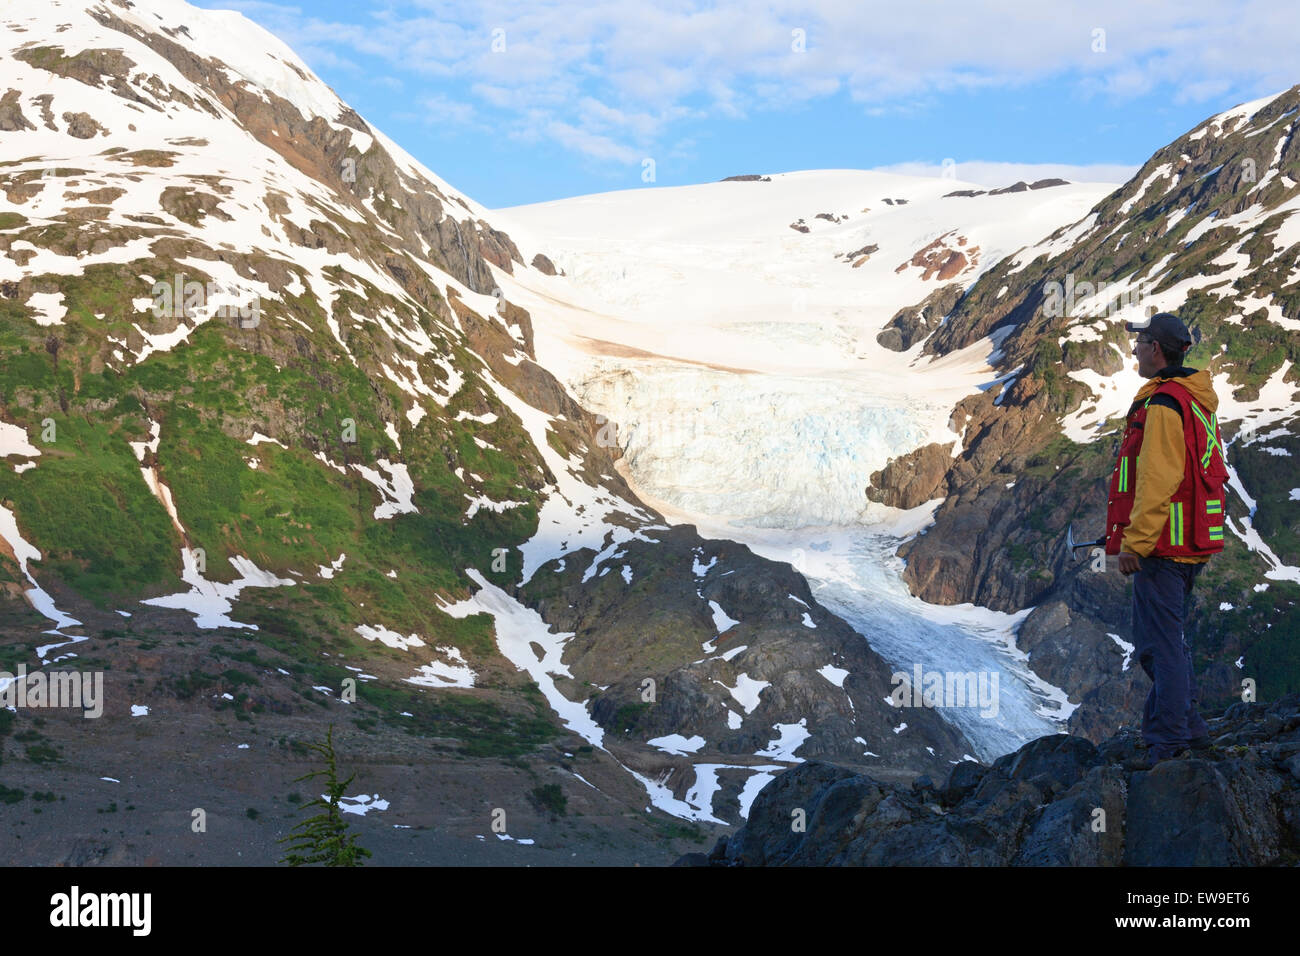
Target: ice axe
1075,546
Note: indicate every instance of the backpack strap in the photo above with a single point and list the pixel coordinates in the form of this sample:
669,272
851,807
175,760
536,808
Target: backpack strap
1166,400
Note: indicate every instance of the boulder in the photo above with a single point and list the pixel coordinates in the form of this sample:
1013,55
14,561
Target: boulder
1057,801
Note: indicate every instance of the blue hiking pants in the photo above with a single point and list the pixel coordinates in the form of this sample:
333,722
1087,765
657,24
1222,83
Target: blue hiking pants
1162,592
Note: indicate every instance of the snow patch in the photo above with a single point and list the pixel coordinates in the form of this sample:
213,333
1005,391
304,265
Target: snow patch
721,622
48,306
791,738
454,672
388,637
361,804
677,744
835,675
746,691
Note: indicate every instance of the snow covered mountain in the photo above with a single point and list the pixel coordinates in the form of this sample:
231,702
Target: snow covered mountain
763,377
609,489
755,394
267,384
693,307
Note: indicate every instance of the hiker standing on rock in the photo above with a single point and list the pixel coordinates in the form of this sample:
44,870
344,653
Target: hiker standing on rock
1164,519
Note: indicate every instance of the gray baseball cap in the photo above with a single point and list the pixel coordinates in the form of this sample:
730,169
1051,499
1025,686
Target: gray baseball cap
1167,329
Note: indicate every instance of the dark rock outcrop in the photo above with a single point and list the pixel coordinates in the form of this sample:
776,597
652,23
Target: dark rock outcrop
1017,187
858,256
656,626
911,325
1023,186
497,247
912,480
1074,649
1057,801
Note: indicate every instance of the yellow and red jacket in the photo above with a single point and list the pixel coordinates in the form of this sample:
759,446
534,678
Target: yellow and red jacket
1167,490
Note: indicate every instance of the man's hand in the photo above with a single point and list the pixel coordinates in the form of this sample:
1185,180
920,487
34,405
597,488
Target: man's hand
1129,562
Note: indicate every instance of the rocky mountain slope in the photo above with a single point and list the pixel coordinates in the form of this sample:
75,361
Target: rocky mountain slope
1208,229
262,391
1058,801
287,418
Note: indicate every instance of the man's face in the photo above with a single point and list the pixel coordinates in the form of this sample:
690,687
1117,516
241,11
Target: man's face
1150,358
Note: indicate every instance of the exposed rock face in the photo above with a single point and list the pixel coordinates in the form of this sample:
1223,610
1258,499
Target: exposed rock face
543,264
1074,649
661,627
748,178
858,256
191,205
497,247
11,113
911,325
82,126
44,100
941,259
93,67
1018,187
912,480
1058,801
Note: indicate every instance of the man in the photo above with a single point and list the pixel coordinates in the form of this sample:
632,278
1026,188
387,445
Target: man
1165,519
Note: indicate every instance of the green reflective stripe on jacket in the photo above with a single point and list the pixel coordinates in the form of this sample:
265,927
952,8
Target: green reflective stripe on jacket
1211,426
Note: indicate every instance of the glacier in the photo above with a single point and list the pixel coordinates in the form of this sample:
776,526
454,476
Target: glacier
780,465
735,364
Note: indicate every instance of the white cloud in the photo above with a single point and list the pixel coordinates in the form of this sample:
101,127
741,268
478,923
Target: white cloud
440,109
591,144
591,76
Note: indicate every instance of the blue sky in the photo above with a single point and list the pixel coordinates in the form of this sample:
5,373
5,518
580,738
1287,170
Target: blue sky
524,102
